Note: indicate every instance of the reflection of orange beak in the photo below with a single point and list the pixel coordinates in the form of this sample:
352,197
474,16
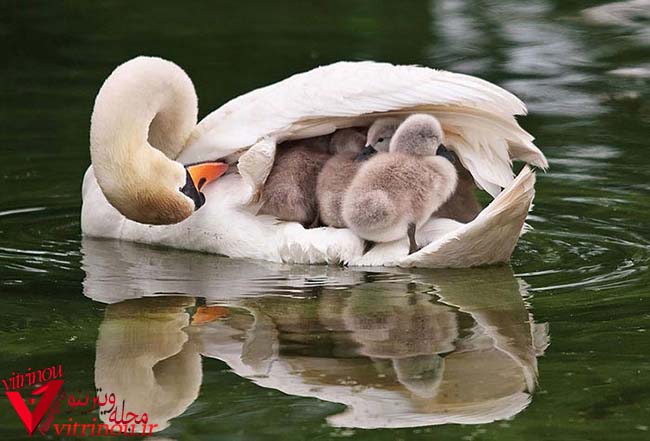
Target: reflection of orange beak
207,314
206,172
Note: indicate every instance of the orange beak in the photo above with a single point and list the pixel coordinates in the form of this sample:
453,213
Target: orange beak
206,172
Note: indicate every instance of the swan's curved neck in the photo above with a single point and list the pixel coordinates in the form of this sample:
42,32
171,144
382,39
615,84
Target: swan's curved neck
143,116
144,99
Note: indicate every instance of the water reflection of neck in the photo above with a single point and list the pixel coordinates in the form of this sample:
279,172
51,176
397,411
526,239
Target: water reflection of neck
146,358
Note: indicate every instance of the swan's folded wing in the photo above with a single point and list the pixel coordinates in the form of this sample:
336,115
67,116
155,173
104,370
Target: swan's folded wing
478,116
487,240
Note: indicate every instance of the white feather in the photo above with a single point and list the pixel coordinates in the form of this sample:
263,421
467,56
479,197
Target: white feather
478,116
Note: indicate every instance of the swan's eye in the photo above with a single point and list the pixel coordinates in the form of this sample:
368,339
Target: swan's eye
380,140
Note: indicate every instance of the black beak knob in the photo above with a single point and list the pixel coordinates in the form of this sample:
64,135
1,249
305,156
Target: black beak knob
190,190
365,153
450,156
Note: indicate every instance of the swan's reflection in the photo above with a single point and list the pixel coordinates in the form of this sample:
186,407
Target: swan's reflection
399,349
146,357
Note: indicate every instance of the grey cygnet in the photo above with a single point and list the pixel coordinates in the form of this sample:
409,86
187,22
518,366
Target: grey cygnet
394,193
347,145
290,189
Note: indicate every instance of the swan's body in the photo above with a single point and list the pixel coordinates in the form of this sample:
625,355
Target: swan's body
395,193
478,117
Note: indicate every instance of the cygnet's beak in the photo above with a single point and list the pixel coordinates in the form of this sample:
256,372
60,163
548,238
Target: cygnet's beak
442,151
198,176
365,153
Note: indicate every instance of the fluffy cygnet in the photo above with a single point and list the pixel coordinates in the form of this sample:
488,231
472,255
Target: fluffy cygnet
349,151
290,190
350,140
394,193
462,205
338,172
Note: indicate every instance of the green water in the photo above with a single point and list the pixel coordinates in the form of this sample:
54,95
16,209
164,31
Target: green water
293,352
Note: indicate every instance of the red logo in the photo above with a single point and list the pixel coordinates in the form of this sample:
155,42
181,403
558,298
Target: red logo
39,410
29,418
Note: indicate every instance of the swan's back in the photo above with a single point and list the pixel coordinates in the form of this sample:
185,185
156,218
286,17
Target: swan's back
478,116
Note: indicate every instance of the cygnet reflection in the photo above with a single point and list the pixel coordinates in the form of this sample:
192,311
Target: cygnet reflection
394,353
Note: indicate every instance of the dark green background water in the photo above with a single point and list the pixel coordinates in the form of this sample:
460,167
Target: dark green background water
585,263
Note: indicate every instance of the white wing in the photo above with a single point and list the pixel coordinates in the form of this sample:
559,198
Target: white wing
478,117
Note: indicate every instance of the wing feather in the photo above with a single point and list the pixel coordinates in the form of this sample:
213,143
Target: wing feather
478,116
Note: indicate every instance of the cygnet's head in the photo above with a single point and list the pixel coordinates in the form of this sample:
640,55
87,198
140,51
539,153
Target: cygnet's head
381,132
419,135
379,136
346,140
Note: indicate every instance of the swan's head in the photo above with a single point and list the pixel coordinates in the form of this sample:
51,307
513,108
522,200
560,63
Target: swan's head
143,116
159,191
379,135
346,140
419,135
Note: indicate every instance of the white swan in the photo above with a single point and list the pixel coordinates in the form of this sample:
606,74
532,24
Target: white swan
151,102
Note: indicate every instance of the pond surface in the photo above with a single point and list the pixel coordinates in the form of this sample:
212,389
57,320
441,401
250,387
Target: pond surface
553,346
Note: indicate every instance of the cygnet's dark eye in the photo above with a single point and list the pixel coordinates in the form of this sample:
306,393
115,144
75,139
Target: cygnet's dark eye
380,140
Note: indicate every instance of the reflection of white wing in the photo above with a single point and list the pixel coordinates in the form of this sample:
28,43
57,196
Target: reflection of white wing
476,387
118,271
478,116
